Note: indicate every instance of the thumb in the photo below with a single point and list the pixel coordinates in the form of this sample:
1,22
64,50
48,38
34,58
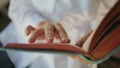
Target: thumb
84,38
78,59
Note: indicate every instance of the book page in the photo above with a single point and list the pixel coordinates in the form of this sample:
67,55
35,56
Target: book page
86,45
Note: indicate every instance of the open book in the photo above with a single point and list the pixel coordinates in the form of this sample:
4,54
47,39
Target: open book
102,43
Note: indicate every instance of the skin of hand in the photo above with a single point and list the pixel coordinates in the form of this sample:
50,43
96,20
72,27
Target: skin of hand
79,44
48,31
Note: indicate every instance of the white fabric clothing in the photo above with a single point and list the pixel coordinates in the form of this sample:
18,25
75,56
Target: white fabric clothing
76,16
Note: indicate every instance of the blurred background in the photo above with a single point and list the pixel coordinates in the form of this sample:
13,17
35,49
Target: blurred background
5,61
4,20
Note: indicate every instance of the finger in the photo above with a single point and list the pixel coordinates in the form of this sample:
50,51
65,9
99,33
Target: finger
63,35
49,33
28,30
56,34
41,36
78,59
35,35
83,39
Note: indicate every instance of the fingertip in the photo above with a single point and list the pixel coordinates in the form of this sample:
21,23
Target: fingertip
80,43
50,40
31,40
65,40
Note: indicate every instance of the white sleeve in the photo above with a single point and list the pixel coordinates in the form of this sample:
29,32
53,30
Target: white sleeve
22,13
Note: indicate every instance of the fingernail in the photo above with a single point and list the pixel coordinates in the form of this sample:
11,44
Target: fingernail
65,40
49,40
79,44
31,41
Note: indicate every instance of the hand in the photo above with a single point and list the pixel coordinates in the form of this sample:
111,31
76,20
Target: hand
46,30
79,44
